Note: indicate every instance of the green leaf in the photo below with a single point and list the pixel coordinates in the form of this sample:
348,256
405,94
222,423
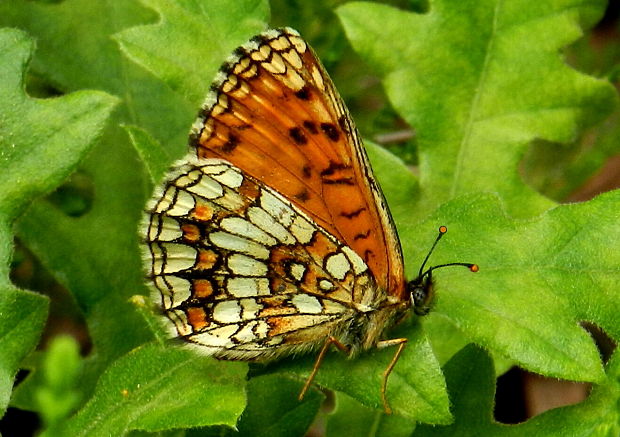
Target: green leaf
41,142
23,318
352,418
57,396
538,279
398,183
156,388
191,40
416,389
559,171
38,136
479,80
98,260
274,410
471,383
155,157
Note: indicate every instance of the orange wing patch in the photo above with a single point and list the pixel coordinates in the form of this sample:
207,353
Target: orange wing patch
274,112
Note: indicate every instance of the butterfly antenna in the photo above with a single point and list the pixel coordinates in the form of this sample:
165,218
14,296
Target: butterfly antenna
473,267
442,230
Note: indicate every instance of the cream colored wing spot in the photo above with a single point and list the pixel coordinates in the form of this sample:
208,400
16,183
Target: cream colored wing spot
241,65
317,77
218,166
337,265
246,334
307,304
276,208
221,105
250,308
164,228
162,199
326,285
261,54
242,92
227,312
230,178
231,200
240,226
293,59
207,188
229,84
179,320
170,229
359,266
174,202
298,42
174,290
267,223
302,230
174,258
331,307
276,65
248,287
219,337
244,265
183,204
280,43
297,271
262,329
189,178
292,80
235,243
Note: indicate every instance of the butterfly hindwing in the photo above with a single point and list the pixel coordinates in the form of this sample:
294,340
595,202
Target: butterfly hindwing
242,272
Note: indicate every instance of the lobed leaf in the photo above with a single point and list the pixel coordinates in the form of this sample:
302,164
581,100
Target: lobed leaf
479,80
472,386
416,388
538,279
156,388
41,143
352,418
191,40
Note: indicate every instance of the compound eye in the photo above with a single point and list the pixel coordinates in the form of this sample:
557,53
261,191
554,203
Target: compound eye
418,296
421,296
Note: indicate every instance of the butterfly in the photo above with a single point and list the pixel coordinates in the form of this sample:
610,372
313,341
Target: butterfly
272,236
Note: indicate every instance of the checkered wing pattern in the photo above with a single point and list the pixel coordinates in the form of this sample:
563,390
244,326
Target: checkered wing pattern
274,112
242,272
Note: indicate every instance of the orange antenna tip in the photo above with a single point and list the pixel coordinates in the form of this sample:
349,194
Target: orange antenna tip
443,229
474,268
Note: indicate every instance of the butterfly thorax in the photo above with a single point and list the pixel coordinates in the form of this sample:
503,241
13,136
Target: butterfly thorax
368,324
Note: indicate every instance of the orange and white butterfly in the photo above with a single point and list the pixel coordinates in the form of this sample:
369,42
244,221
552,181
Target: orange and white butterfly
272,236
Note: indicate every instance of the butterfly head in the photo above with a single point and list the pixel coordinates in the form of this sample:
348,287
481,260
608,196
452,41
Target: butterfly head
420,289
421,293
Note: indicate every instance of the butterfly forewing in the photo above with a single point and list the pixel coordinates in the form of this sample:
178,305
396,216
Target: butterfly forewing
274,113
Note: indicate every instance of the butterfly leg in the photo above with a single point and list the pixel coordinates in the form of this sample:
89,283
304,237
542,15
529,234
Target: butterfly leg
400,342
330,340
